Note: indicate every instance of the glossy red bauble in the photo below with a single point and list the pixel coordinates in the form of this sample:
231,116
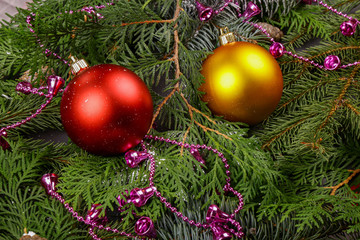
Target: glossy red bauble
106,109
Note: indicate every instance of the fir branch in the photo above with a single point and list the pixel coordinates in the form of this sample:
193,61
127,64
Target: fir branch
23,204
165,45
269,142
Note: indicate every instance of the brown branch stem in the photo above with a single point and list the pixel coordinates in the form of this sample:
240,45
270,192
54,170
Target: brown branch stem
346,181
175,58
191,109
337,103
176,16
161,106
148,22
351,107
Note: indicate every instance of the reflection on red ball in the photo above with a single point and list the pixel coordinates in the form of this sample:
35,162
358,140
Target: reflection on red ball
106,109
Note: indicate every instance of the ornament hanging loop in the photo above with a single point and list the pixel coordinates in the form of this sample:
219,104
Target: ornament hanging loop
226,36
78,65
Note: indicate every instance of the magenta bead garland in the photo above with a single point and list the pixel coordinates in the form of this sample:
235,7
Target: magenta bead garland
196,154
227,187
216,219
3,133
26,88
347,28
144,226
332,62
205,13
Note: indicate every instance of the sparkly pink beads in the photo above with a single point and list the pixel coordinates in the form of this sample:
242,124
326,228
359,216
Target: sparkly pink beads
205,13
196,154
216,218
277,49
24,87
348,28
332,62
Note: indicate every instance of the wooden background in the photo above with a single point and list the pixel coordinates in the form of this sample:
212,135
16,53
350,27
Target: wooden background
9,6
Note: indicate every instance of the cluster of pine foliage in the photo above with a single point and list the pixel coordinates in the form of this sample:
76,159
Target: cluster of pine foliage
294,170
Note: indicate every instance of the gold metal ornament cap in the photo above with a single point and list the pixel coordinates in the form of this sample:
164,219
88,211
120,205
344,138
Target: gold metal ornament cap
226,36
78,65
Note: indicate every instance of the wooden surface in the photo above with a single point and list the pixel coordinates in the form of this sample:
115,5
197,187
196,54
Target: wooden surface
9,6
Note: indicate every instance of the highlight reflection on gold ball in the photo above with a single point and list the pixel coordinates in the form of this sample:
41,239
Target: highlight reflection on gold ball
243,82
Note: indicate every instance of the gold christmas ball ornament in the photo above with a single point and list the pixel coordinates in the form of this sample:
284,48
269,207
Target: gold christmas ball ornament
243,81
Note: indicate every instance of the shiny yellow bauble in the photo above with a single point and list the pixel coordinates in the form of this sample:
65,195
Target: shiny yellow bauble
243,82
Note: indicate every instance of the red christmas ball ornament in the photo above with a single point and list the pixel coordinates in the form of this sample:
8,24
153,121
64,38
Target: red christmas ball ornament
106,109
